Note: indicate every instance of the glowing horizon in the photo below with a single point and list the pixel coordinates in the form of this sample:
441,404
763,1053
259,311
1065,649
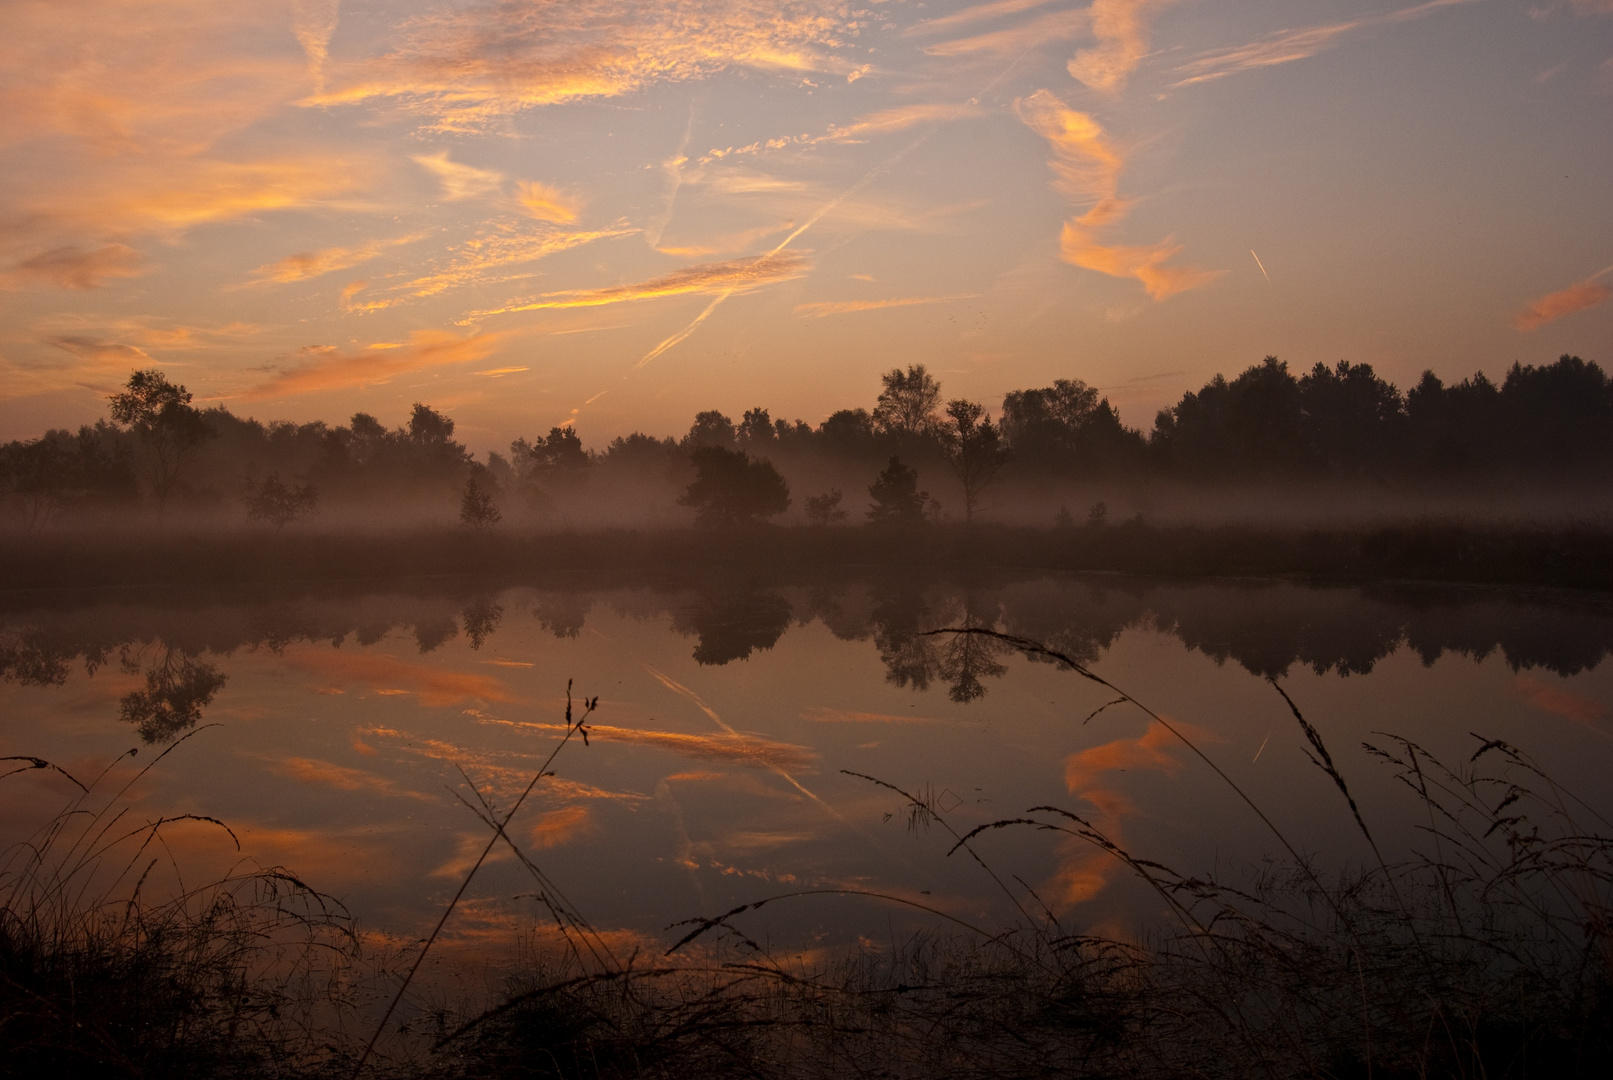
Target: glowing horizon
615,214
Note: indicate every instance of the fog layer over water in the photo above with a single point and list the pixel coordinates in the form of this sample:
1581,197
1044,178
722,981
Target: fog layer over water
338,735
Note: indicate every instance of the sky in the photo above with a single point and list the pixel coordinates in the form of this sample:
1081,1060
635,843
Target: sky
616,213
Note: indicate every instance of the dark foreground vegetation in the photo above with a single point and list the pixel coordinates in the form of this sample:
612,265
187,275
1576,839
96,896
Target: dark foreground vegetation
1487,952
1055,452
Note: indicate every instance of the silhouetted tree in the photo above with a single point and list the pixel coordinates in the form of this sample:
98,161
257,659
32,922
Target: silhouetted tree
277,503
42,475
974,449
1067,427
169,432
1559,416
847,432
756,430
1354,421
710,428
897,498
907,404
1253,425
730,488
476,509
825,509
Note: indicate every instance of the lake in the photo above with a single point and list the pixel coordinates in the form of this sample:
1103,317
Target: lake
340,736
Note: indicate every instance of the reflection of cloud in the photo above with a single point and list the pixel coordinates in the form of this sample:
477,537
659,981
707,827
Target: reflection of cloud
843,307
559,826
433,685
721,746
1088,169
1570,706
1087,870
825,715
331,369
1121,27
341,777
460,181
725,278
1286,46
1553,306
72,267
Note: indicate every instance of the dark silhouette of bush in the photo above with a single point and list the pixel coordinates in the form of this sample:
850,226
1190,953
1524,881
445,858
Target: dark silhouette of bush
825,509
730,488
476,509
898,502
278,503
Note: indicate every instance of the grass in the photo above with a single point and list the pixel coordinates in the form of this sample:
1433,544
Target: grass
1488,952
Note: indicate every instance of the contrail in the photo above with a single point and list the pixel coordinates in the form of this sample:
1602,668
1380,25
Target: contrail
1262,266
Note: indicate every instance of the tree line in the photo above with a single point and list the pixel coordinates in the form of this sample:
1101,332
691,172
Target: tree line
157,450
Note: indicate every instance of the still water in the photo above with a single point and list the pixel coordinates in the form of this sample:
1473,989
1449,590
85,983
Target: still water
339,736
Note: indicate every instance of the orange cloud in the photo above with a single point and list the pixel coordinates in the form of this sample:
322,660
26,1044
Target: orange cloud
978,13
181,195
1088,168
842,307
103,354
1570,706
460,181
824,715
328,368
1121,27
72,267
1553,306
307,265
467,69
547,203
727,278
432,685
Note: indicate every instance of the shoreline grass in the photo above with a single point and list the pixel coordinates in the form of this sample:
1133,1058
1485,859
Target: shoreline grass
1433,551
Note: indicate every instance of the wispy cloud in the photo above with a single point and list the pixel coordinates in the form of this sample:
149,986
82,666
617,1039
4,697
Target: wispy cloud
719,278
1553,306
1121,29
72,267
1011,41
1564,703
1088,168
464,68
313,22
996,9
460,181
328,368
341,777
100,353
845,307
547,203
1286,46
313,264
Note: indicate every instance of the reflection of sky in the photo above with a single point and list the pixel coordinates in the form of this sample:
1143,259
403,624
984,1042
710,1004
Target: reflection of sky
620,212
706,786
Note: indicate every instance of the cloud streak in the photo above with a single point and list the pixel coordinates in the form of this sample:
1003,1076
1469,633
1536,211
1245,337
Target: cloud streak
1121,29
822,308
1088,167
71,267
305,265
1553,306
719,278
1286,46
328,368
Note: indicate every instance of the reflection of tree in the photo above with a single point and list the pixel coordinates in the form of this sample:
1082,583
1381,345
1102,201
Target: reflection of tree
177,690
481,617
562,614
734,624
968,657
902,616
899,618
430,632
